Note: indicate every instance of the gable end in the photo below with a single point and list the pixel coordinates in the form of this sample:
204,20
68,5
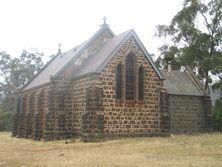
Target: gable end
125,39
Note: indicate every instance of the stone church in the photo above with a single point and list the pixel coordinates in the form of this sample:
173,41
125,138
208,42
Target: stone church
109,86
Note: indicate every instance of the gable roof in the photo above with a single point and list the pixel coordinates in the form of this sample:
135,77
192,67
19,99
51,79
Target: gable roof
97,59
182,83
55,66
46,74
87,62
101,58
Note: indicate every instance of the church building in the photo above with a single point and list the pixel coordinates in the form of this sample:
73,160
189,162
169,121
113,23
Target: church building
109,86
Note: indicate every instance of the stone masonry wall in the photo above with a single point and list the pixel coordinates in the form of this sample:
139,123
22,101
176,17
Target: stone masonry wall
78,105
23,117
190,114
93,118
16,118
39,116
31,108
58,118
164,113
54,112
122,117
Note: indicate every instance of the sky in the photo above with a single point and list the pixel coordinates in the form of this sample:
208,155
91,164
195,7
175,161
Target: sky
43,24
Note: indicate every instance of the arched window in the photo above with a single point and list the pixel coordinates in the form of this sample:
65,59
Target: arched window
119,81
141,83
130,78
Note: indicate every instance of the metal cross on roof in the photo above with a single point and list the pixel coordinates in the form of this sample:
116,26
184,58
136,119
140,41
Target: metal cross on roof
59,50
104,20
60,45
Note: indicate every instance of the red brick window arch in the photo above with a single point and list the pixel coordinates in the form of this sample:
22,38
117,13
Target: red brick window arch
130,77
141,83
119,81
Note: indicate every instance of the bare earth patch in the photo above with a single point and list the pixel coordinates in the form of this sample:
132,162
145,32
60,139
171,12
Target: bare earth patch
198,150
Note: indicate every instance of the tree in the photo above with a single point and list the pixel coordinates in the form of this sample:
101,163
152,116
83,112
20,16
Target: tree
15,73
18,71
195,35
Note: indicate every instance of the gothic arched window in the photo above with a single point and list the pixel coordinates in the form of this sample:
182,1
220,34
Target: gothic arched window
119,81
141,83
130,77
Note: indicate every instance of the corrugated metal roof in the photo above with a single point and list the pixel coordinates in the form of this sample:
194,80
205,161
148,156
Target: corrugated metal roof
56,66
180,83
59,61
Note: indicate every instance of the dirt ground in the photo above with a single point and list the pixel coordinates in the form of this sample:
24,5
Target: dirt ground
180,150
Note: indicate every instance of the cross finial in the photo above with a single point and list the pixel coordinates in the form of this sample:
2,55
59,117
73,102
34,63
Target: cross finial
59,50
104,20
60,46
104,25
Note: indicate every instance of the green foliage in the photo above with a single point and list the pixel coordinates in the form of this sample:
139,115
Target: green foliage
6,121
217,114
16,72
217,85
194,38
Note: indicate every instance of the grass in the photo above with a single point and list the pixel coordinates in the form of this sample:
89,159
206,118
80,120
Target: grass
181,150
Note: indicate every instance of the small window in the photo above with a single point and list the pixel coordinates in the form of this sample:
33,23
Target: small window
119,81
141,84
130,78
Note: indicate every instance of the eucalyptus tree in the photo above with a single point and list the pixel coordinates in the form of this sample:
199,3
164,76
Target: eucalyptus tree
194,38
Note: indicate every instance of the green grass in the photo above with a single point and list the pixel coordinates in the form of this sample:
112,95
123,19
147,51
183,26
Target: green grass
181,150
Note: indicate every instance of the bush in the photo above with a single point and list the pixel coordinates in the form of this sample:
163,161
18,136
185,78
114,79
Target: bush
6,121
217,115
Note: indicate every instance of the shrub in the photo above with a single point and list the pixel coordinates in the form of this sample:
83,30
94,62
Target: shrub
217,114
6,121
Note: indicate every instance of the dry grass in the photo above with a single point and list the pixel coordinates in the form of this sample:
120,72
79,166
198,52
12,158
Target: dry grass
200,150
